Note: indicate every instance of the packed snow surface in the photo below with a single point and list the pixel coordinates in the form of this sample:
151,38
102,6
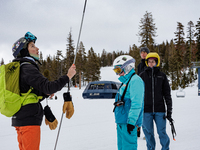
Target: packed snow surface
93,127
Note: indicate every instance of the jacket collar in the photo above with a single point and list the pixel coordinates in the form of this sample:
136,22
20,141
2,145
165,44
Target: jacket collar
155,69
30,58
142,60
26,59
123,79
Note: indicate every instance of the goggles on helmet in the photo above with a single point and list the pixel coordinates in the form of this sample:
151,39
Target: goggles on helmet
30,37
118,70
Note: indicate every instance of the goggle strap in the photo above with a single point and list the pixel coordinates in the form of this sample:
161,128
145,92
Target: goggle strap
128,62
18,49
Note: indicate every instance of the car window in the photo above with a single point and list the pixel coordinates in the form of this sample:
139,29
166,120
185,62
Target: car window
92,86
96,86
114,86
107,86
100,86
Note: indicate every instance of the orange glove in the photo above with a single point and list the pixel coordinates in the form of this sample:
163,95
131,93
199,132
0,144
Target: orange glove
68,108
50,118
52,125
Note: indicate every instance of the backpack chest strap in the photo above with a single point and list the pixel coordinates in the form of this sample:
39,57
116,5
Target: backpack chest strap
30,98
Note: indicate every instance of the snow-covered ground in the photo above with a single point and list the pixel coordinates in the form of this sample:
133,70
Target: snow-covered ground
92,126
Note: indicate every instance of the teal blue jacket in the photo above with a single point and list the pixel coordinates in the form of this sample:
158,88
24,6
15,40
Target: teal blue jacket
132,111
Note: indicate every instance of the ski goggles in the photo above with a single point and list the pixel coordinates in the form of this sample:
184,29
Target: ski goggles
30,37
118,70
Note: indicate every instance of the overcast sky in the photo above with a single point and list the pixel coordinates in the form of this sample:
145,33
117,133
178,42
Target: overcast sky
108,24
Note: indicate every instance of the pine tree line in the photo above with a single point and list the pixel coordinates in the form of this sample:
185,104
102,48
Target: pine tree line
176,55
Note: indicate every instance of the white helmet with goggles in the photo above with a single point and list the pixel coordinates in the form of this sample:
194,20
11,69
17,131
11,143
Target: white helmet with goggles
123,63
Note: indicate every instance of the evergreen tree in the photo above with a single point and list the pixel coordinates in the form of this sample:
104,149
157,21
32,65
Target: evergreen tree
104,58
164,57
69,52
48,68
180,51
99,58
41,57
2,62
55,70
47,74
189,44
69,58
59,60
80,63
119,53
42,67
135,53
172,66
190,32
93,67
147,31
194,51
109,59
197,35
184,81
161,49
114,55
190,75
188,55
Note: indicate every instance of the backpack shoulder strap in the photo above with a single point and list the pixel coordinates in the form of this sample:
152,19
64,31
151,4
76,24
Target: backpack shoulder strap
24,63
31,88
122,98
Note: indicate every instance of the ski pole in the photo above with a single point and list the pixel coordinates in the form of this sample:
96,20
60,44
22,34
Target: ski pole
60,125
80,31
73,63
58,131
173,129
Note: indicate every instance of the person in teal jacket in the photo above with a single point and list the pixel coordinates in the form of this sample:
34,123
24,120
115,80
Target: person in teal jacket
129,103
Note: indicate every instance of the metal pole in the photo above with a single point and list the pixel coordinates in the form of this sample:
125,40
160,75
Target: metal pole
73,63
58,131
80,31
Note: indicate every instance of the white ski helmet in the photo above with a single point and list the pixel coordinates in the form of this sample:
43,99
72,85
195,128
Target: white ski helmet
123,63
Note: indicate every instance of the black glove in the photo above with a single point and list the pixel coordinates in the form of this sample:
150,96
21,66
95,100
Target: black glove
50,118
169,116
130,128
48,114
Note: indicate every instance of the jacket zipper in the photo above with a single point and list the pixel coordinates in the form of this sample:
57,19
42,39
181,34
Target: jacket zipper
153,89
